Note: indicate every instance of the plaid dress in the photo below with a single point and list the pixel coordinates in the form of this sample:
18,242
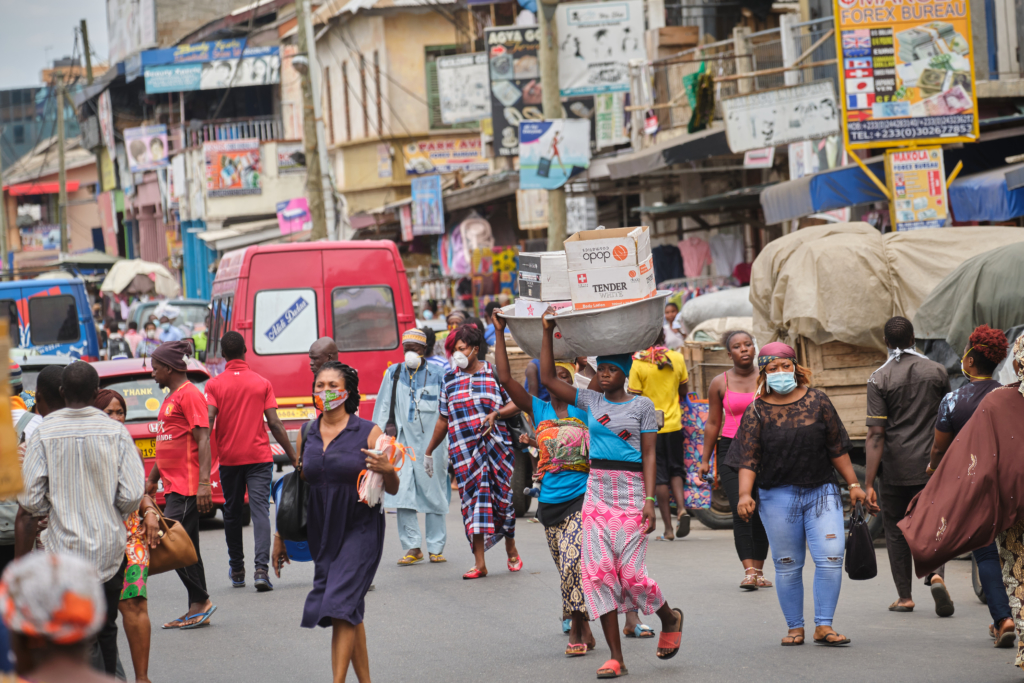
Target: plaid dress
483,469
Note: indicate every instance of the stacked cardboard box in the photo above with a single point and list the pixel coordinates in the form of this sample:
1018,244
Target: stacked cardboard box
543,279
610,267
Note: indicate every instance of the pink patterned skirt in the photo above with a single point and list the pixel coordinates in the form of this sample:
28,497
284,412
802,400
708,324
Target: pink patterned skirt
614,546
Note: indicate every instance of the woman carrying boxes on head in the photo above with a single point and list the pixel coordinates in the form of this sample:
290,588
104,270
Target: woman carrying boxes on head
623,431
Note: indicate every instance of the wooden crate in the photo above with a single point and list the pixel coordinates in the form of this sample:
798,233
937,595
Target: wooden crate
842,371
704,362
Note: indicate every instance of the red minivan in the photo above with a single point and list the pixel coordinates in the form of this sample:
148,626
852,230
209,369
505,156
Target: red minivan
283,297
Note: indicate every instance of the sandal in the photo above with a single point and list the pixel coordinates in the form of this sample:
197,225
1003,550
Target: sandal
749,582
897,607
670,640
662,538
515,566
639,631
827,640
437,557
612,669
576,649
1006,635
410,560
761,581
683,527
204,619
793,640
474,573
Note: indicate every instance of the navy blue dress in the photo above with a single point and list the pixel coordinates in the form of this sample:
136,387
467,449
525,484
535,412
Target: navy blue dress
346,537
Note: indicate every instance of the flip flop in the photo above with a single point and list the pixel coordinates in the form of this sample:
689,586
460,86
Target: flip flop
611,669
943,603
437,558
515,566
410,560
793,640
662,538
639,631
576,649
670,640
179,623
202,622
474,573
897,607
832,643
683,529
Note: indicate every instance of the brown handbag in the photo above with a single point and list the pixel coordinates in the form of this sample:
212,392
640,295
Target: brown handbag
175,550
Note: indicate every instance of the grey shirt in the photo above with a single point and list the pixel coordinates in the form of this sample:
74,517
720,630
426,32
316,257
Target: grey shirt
903,397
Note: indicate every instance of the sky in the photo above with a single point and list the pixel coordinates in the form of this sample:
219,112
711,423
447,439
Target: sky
35,32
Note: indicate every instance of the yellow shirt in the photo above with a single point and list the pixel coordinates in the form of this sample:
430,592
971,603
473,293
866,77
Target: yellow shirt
662,387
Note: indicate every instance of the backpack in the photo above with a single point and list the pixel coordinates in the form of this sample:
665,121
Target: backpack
118,346
9,508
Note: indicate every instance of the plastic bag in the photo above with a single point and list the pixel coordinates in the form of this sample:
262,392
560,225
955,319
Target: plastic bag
370,485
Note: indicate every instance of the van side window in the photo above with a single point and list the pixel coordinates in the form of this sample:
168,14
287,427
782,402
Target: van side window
53,319
364,318
11,308
284,321
214,343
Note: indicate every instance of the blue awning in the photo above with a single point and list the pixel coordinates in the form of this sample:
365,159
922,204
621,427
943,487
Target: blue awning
835,189
984,197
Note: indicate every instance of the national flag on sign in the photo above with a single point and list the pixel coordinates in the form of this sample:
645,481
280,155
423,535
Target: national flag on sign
860,101
859,73
857,64
862,115
860,85
856,39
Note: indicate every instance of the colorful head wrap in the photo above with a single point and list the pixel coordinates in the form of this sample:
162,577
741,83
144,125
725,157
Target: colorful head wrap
657,355
415,336
1018,355
774,351
54,597
568,366
623,361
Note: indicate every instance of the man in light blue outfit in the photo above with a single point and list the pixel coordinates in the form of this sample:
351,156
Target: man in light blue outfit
424,483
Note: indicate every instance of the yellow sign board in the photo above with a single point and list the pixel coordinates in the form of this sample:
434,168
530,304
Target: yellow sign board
906,72
917,184
108,180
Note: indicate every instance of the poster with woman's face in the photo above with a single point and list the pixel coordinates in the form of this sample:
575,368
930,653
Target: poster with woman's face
146,148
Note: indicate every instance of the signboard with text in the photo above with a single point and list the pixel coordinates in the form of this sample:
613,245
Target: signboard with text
444,155
906,72
917,181
427,206
233,168
514,77
596,42
462,85
780,116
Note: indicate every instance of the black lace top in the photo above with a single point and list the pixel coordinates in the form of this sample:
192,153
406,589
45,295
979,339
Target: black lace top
792,444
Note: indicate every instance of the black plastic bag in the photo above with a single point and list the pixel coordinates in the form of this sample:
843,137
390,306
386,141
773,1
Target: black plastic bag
860,548
292,512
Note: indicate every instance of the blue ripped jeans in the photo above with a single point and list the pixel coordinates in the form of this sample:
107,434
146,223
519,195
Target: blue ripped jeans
796,519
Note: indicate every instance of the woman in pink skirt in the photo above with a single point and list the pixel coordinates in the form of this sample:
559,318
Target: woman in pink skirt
617,512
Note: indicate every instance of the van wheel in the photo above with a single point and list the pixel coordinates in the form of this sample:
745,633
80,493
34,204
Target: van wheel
719,515
522,477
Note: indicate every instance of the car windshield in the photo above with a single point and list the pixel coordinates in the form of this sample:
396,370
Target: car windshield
143,396
188,314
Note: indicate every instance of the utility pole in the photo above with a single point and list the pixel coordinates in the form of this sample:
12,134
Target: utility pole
552,101
62,200
321,131
3,213
314,182
85,48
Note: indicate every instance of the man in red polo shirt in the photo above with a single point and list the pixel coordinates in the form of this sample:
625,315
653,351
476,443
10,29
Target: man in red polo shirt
184,463
239,400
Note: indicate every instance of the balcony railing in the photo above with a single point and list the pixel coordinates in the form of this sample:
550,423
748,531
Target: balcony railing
261,127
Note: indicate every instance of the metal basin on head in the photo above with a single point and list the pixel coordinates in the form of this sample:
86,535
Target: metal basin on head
601,332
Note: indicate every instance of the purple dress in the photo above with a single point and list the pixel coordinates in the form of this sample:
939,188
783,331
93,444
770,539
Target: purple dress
346,537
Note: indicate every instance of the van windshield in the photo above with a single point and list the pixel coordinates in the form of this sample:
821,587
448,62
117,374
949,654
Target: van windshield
143,396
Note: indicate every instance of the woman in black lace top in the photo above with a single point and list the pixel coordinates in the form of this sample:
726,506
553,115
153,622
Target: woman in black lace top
791,442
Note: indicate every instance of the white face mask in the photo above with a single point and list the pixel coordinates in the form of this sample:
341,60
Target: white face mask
460,360
412,360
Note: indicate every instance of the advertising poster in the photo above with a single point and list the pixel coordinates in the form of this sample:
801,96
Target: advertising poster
595,43
917,181
427,206
255,66
293,216
513,68
108,175
462,85
552,151
781,116
906,72
40,238
105,114
131,25
232,167
146,148
108,221
610,119
444,155
405,220
384,161
195,52
291,157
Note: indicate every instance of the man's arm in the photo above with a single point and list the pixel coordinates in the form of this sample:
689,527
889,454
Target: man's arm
280,433
204,500
873,453
131,476
25,529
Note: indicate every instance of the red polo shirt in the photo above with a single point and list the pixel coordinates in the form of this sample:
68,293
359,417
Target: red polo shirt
240,432
177,451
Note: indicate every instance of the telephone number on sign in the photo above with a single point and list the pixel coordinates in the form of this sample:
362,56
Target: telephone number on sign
910,132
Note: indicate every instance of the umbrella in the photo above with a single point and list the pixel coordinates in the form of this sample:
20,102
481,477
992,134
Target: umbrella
136,276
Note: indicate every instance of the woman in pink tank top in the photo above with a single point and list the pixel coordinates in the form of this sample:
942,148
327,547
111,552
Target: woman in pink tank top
729,395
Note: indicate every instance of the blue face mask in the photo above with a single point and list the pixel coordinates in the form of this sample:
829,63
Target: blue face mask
782,382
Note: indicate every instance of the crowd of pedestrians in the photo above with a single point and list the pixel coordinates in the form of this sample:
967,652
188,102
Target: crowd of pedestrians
608,444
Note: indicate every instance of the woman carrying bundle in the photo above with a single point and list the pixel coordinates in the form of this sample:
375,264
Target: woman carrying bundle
563,442
617,510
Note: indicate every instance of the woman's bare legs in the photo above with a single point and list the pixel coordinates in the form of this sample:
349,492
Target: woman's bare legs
135,616
348,646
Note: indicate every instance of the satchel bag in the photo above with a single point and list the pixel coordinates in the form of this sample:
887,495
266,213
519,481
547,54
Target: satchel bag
175,550
860,548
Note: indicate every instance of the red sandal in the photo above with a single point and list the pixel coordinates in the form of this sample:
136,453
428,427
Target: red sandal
515,566
670,640
611,669
474,573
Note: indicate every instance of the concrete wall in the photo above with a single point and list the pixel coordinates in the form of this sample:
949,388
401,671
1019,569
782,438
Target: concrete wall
341,50
175,19
406,36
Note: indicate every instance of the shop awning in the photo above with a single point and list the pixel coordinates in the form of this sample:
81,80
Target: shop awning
24,189
834,189
1015,178
986,197
502,186
700,145
240,235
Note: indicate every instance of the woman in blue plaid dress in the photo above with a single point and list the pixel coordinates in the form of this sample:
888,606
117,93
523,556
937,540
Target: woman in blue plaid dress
479,447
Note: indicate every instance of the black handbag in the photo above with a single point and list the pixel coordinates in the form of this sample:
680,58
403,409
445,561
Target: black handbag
860,548
293,509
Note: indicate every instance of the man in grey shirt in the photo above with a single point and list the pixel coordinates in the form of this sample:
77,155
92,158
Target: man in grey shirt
82,470
903,402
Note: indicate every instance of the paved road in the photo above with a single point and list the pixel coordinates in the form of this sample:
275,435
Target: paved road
427,625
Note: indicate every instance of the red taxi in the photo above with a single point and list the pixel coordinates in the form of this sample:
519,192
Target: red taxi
133,379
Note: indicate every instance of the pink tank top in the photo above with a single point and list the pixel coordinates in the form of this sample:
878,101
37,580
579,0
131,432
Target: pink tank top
733,405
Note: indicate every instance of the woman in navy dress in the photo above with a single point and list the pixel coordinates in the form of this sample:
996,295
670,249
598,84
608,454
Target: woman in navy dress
346,537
